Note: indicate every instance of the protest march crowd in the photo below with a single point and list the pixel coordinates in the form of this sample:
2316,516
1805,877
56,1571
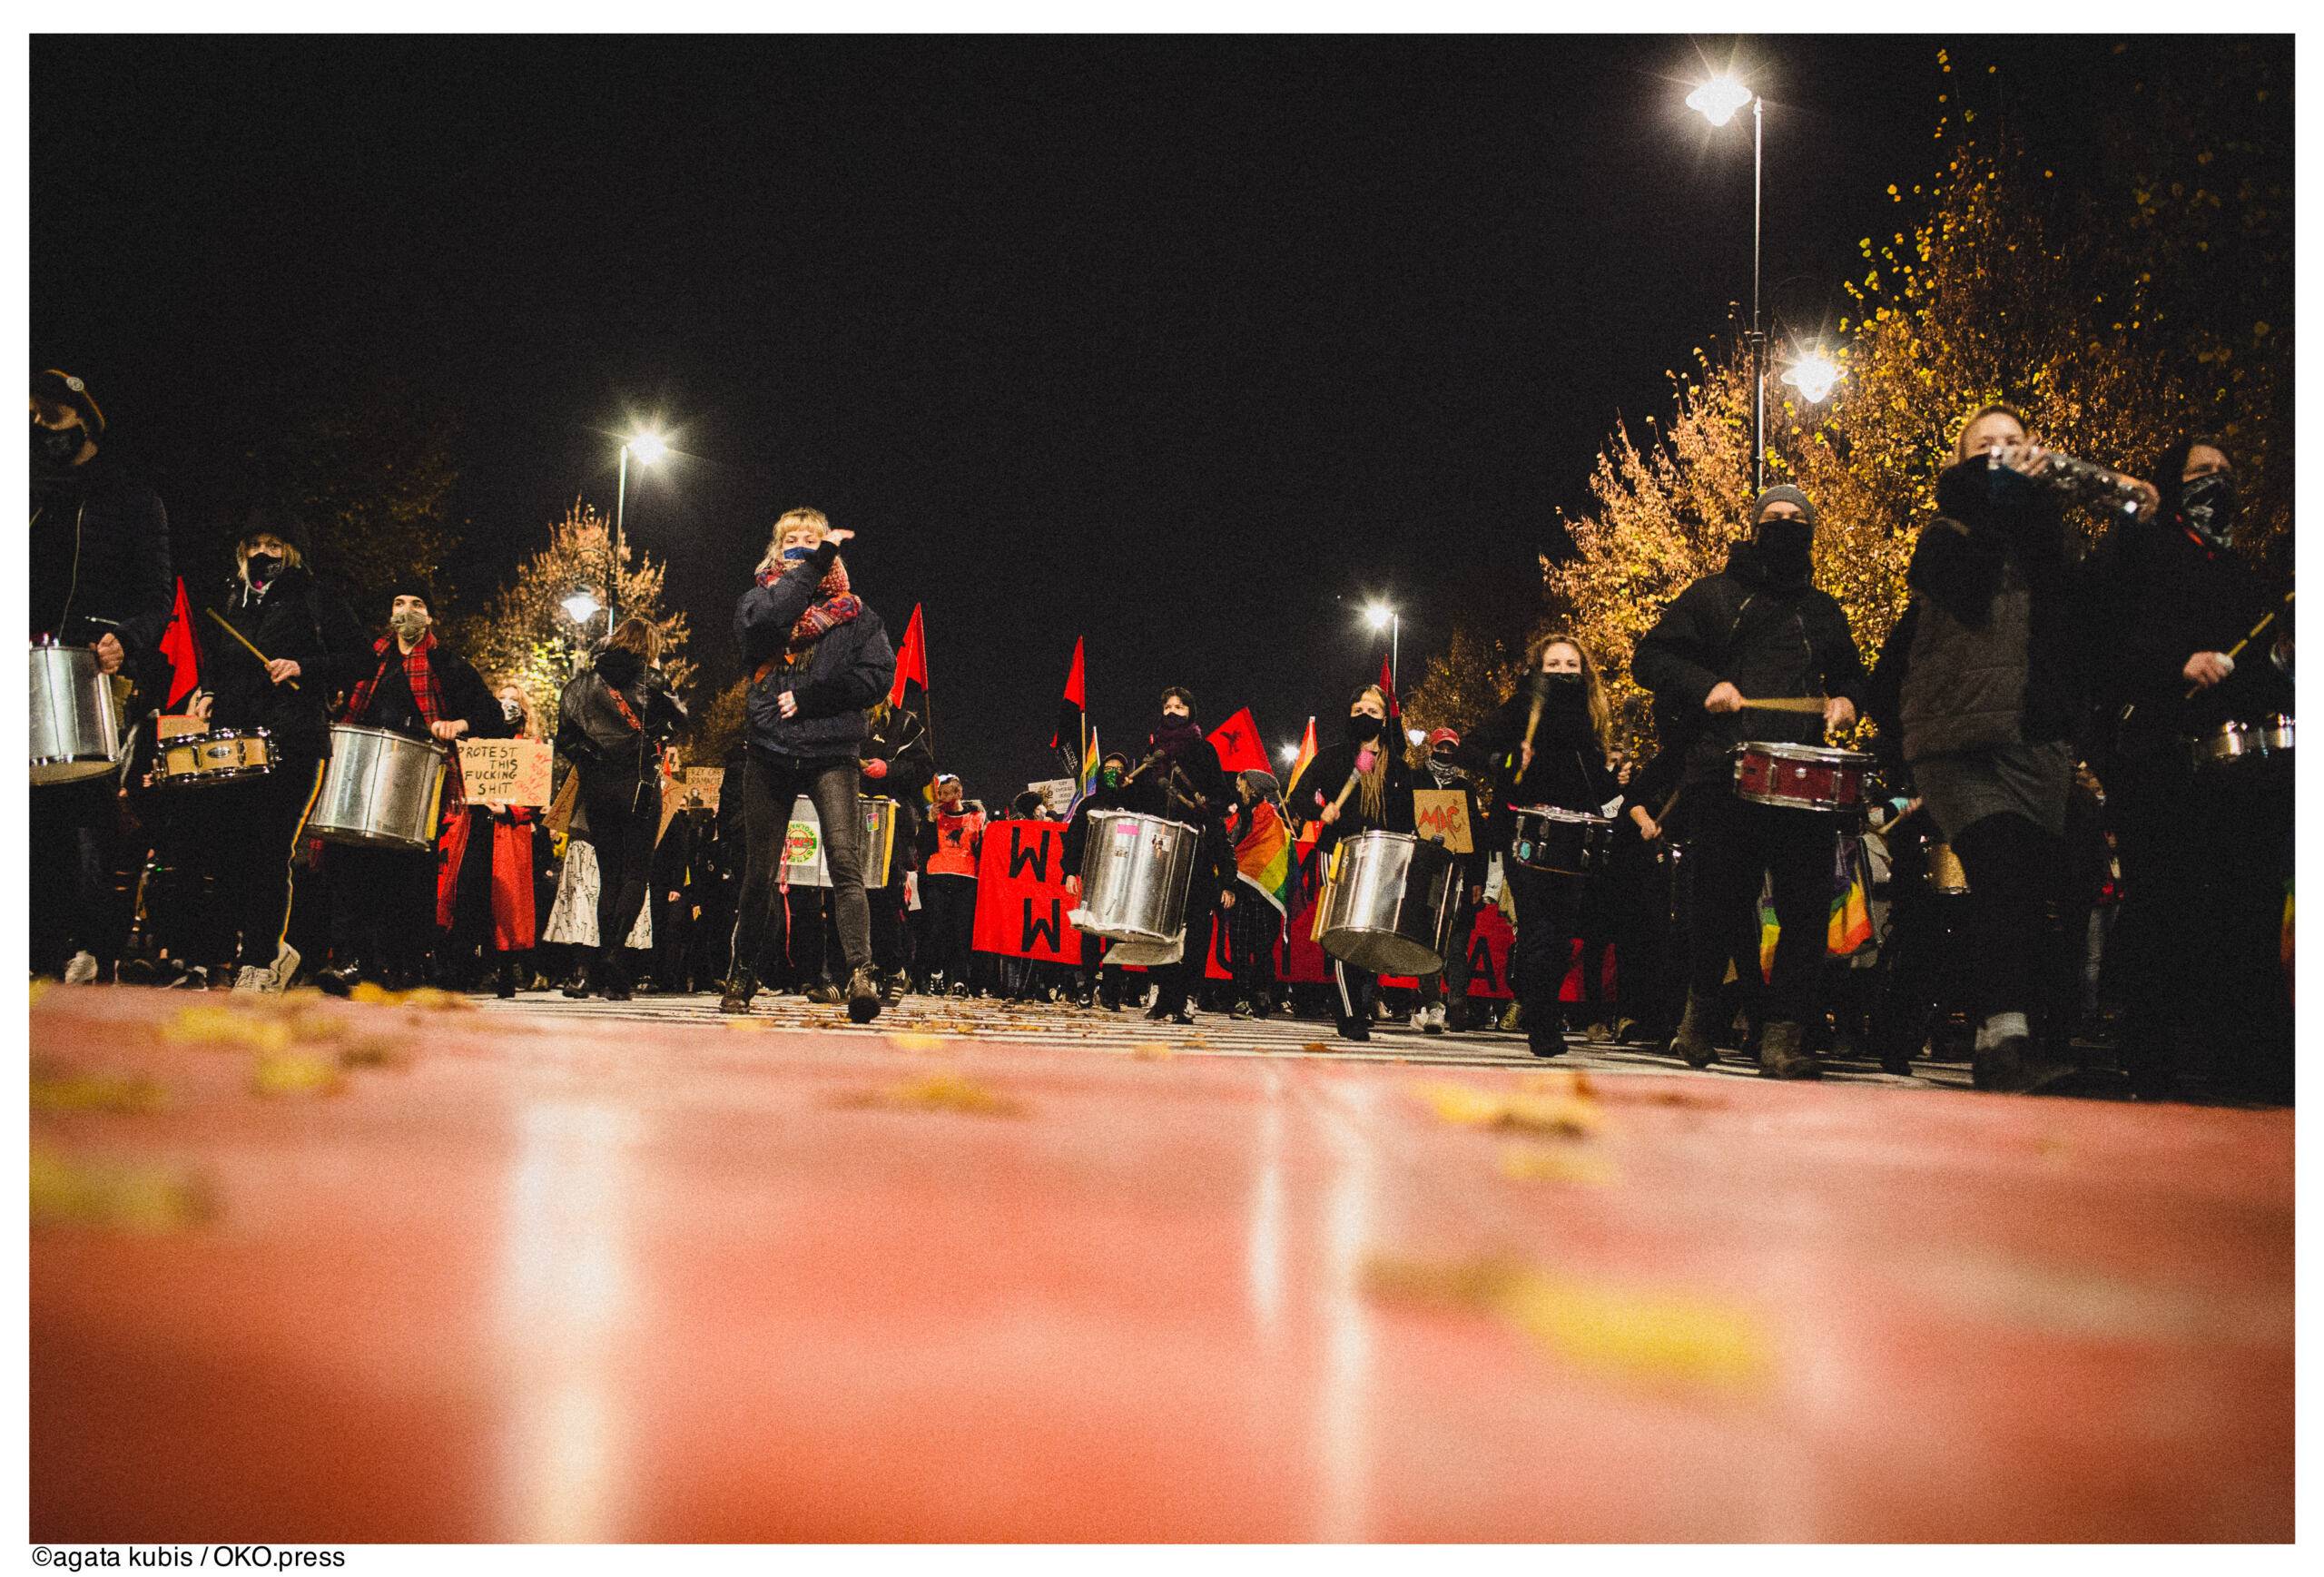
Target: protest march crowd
2073,807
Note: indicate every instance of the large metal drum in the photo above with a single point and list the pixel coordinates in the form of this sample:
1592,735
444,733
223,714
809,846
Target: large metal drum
806,862
1386,905
75,724
1135,873
381,789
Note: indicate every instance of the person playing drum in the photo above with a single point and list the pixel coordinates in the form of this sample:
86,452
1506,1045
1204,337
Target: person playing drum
314,647
1758,630
818,657
2206,852
383,899
1547,743
1360,784
1181,780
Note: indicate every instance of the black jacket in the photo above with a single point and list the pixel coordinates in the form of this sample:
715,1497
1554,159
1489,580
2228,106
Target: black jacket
1569,768
901,740
392,705
831,682
300,618
2163,596
1077,826
1768,637
603,746
99,559
1328,773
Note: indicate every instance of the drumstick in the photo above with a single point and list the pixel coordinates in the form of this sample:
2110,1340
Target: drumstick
1787,703
254,651
1532,721
1363,760
2194,690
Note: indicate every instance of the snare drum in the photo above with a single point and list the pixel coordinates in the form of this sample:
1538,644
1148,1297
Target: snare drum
1805,777
1560,841
2275,732
1387,904
75,721
2228,744
381,789
221,756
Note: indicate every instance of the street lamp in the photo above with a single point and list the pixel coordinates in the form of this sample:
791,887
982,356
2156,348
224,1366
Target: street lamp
1290,752
1717,101
648,447
1380,617
1815,375
581,607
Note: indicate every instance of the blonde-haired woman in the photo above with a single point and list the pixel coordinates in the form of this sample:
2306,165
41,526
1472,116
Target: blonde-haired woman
1547,743
1360,784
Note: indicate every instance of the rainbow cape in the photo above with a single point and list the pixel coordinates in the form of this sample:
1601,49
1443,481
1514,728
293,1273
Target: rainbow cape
1264,856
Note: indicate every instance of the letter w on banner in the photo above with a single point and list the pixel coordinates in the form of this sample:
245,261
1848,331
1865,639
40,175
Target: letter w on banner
1021,901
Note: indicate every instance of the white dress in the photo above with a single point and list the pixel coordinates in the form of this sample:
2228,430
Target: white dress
573,917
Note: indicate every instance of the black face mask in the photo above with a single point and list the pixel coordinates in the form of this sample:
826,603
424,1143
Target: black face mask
2207,508
1786,548
1363,728
1441,757
1561,692
53,447
264,567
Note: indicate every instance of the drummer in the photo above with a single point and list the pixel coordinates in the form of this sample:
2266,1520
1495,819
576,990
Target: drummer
1101,982
1360,784
2205,854
1758,630
1180,779
98,576
313,647
383,900
1547,745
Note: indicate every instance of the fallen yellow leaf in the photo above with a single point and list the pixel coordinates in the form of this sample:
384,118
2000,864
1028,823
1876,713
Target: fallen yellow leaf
940,1092
148,1199
1466,1106
914,1041
295,1073
95,1092
1151,1051
1534,1165
206,1024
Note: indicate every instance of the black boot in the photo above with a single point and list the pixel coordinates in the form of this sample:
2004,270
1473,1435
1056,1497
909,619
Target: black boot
340,979
613,976
1782,1055
509,982
1696,1027
741,986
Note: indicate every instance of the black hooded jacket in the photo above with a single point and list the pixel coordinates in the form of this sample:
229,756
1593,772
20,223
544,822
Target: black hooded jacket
1569,768
99,558
901,740
607,748
297,617
1767,637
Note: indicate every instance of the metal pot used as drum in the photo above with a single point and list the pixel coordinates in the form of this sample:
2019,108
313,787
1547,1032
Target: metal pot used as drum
1386,905
1560,841
381,789
1135,873
221,756
808,864
1805,777
2228,744
2275,732
75,723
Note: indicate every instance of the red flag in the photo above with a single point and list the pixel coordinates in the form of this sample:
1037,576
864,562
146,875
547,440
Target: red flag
1388,688
1236,740
911,662
184,651
1071,710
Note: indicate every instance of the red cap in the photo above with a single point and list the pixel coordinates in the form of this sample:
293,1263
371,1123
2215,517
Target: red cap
1437,736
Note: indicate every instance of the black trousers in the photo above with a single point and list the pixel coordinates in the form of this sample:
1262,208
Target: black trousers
1548,911
76,905
1452,980
254,844
2014,868
1740,843
771,786
1353,991
624,817
1253,925
886,916
1173,982
382,906
950,906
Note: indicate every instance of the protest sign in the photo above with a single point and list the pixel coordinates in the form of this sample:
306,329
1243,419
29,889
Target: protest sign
509,772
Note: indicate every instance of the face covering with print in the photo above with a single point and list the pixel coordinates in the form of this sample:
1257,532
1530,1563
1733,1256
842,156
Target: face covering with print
2207,508
54,447
263,567
410,622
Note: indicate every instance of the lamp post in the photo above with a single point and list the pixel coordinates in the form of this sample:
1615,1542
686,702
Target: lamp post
648,447
1717,101
1380,617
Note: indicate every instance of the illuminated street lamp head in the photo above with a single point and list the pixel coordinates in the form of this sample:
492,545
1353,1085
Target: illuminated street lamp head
581,607
1417,735
1290,752
1717,100
1815,375
648,447
1378,615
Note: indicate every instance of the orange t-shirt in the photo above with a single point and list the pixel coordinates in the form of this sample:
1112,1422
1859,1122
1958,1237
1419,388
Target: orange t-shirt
960,840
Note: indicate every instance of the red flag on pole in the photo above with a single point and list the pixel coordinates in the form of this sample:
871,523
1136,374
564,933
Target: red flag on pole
911,662
1388,688
184,651
1237,741
1072,710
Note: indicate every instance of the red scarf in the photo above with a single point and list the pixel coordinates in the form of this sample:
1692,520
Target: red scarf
425,692
835,606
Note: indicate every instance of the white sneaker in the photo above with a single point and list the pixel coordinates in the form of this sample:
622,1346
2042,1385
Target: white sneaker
1433,1019
285,969
83,970
1419,1018
253,979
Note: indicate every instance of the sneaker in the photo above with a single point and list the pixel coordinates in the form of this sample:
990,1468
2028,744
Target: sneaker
1432,1019
1600,1032
1551,1045
961,988
83,970
251,978
2017,1066
862,997
825,993
1513,1018
1358,1030
285,968
1241,1009
196,978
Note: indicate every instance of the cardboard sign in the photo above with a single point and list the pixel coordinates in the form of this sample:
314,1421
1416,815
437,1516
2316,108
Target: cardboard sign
1057,793
703,785
511,772
1021,901
1444,812
804,862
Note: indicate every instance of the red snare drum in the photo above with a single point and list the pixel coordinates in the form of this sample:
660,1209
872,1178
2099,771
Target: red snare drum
1803,777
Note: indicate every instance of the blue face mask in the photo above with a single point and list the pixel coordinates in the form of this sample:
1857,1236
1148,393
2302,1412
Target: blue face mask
793,555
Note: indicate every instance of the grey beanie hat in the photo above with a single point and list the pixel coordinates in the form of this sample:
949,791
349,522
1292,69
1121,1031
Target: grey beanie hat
1784,493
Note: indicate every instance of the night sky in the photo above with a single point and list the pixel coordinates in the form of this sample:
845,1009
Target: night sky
1186,346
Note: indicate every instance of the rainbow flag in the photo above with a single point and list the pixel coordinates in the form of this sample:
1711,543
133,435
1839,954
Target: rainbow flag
1087,779
1851,923
1307,754
1264,856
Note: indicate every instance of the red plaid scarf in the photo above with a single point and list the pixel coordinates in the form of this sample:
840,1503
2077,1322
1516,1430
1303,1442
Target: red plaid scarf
425,692
836,605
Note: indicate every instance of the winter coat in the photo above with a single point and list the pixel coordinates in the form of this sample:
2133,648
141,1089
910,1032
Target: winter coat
1567,771
901,742
99,559
300,618
1320,783
1767,637
832,681
608,749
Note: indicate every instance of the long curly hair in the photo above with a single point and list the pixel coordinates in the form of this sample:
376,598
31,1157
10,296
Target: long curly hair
1601,712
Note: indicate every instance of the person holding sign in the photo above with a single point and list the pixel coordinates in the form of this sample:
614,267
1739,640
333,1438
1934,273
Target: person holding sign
818,657
1547,743
611,721
1358,785
485,893
1445,803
